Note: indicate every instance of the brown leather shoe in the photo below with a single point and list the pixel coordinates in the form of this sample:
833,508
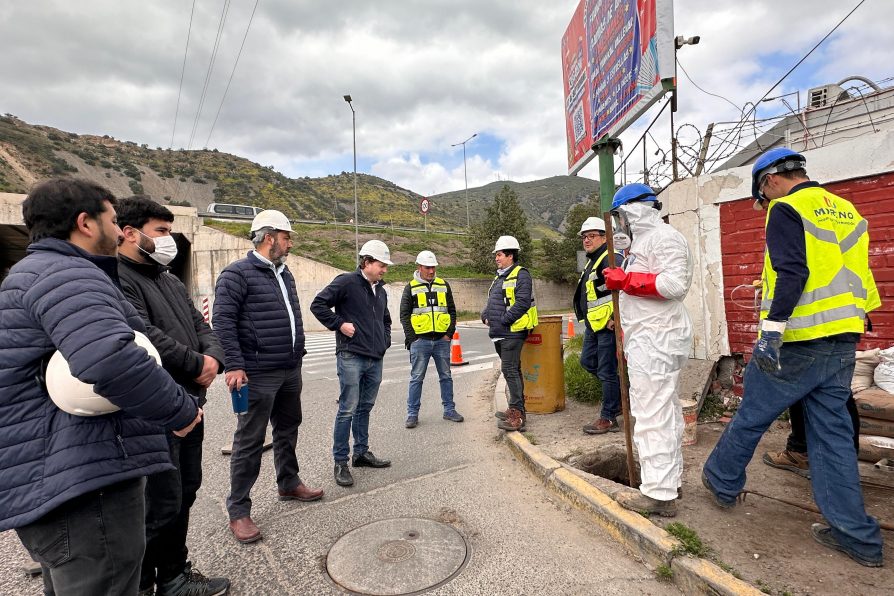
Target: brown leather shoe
302,493
245,530
515,421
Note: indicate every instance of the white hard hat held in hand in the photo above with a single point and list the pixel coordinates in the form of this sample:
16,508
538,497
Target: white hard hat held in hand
76,397
427,259
271,218
506,243
377,250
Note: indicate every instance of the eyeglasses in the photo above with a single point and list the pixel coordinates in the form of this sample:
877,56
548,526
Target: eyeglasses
592,236
760,187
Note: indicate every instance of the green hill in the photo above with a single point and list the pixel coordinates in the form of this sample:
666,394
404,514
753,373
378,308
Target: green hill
199,177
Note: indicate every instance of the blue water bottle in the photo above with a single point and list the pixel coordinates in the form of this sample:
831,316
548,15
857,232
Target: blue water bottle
240,400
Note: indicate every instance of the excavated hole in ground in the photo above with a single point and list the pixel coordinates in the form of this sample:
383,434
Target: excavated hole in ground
606,461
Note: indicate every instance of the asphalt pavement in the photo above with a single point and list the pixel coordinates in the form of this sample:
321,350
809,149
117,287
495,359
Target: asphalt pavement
521,538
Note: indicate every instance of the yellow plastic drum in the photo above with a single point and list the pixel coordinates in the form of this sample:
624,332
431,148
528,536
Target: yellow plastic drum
542,367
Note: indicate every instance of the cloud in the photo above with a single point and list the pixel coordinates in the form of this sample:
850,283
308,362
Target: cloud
423,74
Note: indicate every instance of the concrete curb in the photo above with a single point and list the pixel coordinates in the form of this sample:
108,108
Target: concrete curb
635,533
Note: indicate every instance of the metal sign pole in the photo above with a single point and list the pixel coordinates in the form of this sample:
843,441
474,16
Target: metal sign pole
605,149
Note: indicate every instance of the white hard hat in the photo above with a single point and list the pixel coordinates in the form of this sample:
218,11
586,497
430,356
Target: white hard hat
377,250
76,397
506,243
427,259
592,223
271,218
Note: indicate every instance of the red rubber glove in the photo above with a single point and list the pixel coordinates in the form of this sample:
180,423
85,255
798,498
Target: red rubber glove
615,278
634,283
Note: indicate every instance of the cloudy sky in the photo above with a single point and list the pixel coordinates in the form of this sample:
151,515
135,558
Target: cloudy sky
423,74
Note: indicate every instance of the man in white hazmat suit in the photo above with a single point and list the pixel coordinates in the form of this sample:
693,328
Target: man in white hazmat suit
657,337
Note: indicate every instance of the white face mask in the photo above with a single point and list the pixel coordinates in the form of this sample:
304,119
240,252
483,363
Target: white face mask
165,249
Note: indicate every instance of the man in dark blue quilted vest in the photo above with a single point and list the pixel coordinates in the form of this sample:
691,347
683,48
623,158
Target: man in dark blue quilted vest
72,485
258,322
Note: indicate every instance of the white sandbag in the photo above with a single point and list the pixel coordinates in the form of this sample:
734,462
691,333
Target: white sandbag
884,372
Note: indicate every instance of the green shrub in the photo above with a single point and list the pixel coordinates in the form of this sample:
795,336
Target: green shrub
579,384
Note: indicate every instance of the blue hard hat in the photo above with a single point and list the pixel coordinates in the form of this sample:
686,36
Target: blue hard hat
633,192
779,159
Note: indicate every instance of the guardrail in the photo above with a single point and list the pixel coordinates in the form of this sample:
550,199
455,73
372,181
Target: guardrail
321,222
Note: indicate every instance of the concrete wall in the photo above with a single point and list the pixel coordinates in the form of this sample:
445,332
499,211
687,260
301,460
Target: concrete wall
723,240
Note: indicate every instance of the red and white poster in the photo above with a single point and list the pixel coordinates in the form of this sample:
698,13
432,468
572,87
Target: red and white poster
628,51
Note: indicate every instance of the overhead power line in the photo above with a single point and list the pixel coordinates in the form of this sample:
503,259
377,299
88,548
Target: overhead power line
182,72
232,72
785,76
220,28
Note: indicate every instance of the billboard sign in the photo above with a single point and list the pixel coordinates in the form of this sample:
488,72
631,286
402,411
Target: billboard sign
628,49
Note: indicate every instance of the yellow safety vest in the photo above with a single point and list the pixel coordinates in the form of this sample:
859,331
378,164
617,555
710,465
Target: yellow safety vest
840,289
527,320
430,313
599,308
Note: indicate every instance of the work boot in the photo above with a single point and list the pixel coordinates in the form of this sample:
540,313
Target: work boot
823,534
602,426
647,505
192,583
453,416
501,415
368,460
788,460
412,422
714,496
515,420
343,474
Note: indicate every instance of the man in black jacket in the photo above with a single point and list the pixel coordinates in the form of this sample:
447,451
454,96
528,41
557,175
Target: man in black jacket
362,326
593,306
258,321
193,357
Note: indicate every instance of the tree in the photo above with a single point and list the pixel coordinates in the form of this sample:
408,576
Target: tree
504,217
560,256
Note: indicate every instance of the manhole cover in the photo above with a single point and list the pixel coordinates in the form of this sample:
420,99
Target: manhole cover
396,556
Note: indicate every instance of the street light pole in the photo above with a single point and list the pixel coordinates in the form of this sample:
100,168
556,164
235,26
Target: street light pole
466,177
356,220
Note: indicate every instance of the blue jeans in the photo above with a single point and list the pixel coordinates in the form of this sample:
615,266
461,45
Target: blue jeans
421,351
599,357
819,374
358,378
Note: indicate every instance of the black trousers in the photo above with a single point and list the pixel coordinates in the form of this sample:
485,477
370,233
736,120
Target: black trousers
509,351
169,497
797,439
92,544
274,396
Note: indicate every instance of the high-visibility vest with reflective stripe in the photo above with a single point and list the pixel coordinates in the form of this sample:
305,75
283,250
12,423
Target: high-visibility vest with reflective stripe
527,320
429,307
840,289
599,307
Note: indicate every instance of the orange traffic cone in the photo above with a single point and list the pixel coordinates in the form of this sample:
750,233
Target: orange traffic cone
570,332
456,351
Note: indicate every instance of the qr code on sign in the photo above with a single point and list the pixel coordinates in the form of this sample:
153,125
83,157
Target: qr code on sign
577,121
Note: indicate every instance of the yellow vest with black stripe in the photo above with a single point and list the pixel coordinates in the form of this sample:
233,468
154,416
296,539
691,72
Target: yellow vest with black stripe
599,308
430,307
527,320
840,289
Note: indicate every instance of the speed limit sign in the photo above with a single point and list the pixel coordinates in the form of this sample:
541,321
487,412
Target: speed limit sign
424,206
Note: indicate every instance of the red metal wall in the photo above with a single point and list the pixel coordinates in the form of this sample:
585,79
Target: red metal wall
742,247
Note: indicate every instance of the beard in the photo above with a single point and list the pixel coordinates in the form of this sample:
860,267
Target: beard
107,244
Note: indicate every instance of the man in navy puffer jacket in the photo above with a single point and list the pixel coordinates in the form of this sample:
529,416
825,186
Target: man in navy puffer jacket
72,486
258,322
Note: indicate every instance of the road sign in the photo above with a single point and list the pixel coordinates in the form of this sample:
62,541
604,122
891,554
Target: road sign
424,206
